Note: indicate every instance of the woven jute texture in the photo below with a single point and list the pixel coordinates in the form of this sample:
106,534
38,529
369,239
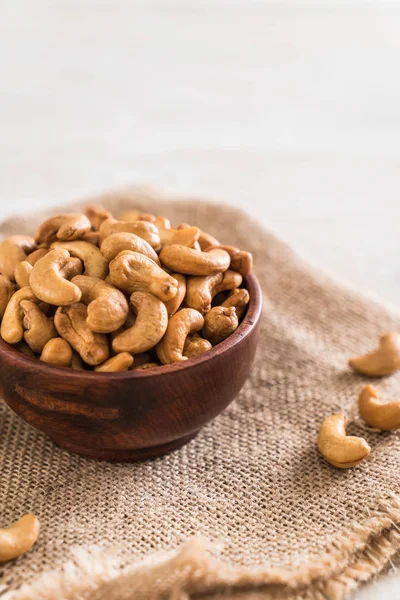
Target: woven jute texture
249,509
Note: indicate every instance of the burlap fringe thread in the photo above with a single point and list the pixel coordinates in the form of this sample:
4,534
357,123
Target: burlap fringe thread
192,571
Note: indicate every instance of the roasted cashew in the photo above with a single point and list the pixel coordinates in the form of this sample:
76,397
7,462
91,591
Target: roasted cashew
92,237
14,250
48,278
175,302
219,323
145,366
39,329
107,307
70,322
144,229
7,289
180,325
149,327
12,329
97,214
206,241
385,360
230,281
134,272
336,447
201,290
57,352
93,260
118,242
185,236
22,273
239,299
136,215
119,362
241,260
195,345
192,262
19,537
34,256
66,227
376,414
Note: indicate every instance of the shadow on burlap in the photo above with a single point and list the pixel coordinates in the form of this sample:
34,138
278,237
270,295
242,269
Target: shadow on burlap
248,509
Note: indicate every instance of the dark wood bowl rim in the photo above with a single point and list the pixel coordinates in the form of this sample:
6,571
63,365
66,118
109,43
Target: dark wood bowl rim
251,317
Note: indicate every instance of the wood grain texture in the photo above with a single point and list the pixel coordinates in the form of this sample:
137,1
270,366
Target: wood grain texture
133,415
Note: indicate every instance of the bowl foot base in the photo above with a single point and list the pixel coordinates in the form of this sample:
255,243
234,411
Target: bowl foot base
125,455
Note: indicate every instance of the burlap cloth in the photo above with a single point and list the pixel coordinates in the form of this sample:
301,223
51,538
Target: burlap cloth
274,519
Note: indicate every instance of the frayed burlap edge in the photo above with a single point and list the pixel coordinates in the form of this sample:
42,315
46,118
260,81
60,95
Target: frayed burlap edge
355,557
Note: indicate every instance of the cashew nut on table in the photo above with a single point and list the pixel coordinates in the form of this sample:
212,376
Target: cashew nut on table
107,293
339,449
19,537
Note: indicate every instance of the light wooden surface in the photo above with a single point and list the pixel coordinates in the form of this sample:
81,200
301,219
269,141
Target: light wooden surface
288,109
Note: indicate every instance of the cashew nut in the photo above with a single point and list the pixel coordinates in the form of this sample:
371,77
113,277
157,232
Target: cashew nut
144,229
336,447
107,307
180,325
96,215
186,236
48,280
119,362
14,250
385,360
149,327
201,290
57,352
93,260
66,227
136,215
6,291
230,281
39,329
195,345
192,262
239,299
134,272
241,260
375,413
92,237
12,329
34,256
117,242
145,366
175,302
70,322
19,537
22,273
206,241
219,323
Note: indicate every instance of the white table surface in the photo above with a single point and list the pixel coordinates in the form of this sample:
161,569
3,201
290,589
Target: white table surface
289,109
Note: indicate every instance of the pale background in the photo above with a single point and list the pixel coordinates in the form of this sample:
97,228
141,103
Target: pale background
288,109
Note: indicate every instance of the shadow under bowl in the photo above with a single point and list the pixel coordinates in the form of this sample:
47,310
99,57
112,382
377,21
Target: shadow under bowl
133,415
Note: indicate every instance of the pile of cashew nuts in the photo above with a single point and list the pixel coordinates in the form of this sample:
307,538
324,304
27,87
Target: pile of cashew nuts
345,451
89,291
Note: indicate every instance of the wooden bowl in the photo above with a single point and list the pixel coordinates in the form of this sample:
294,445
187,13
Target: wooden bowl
133,415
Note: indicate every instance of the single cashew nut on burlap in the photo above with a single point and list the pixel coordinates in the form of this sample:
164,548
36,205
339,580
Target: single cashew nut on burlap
93,260
7,289
39,329
119,362
339,449
97,214
200,291
70,322
219,323
134,272
118,242
149,327
19,537
377,414
66,227
12,329
196,345
239,299
48,280
385,360
57,352
13,251
107,307
175,302
144,229
180,325
186,236
192,262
